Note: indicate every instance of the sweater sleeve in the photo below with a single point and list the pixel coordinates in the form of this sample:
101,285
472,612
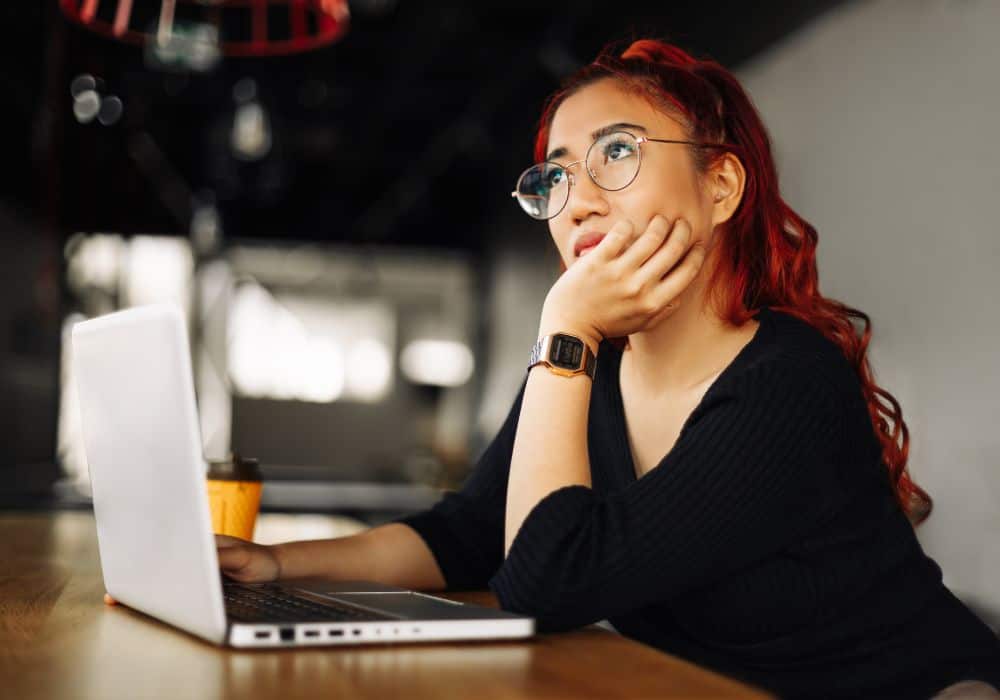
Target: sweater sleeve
464,530
744,480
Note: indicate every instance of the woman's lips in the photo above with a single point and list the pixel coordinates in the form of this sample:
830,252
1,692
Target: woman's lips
586,242
586,250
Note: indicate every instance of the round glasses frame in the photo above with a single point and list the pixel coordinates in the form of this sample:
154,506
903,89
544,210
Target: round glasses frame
639,140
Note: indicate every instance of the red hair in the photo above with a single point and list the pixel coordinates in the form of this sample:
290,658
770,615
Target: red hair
766,252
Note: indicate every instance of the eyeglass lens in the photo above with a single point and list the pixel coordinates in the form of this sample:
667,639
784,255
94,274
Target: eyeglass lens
612,163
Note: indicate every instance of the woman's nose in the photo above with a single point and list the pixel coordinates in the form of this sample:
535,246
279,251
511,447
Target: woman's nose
585,197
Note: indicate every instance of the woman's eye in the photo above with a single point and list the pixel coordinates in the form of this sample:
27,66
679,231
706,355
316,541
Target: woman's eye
617,151
556,177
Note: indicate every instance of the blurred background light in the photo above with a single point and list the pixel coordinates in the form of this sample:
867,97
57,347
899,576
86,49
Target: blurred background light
306,349
94,261
250,138
86,105
82,83
206,229
437,362
272,356
158,269
185,46
90,102
369,369
110,111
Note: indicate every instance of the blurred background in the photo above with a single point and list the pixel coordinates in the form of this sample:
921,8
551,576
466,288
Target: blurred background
324,188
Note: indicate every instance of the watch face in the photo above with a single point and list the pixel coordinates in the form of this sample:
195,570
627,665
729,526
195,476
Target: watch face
566,352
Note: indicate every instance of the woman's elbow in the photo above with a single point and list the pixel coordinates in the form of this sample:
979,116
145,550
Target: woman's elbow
553,608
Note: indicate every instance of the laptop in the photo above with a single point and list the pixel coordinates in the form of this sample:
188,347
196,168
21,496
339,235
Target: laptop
158,556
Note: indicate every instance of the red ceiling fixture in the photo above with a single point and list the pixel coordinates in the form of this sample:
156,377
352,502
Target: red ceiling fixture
266,27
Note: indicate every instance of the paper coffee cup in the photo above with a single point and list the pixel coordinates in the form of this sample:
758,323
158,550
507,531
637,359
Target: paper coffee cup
234,486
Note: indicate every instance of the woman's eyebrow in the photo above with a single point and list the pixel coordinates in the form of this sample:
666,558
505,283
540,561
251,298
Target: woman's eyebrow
603,131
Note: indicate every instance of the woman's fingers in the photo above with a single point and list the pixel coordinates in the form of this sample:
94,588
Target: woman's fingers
232,557
647,244
108,600
618,239
667,255
228,541
674,283
242,560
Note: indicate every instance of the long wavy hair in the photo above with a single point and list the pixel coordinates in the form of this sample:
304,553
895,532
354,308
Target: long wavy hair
766,252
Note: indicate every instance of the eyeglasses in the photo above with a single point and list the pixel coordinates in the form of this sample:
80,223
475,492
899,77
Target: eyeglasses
612,163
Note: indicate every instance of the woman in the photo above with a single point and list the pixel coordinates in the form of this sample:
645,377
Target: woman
726,486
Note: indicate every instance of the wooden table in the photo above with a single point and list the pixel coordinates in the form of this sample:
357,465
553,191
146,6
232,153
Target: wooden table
58,640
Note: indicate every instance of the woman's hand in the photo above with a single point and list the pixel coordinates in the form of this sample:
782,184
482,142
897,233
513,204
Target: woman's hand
240,560
246,561
622,286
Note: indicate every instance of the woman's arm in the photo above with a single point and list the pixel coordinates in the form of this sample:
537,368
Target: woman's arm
550,450
393,554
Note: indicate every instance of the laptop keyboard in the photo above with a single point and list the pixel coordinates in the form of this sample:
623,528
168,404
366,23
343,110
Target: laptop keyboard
271,603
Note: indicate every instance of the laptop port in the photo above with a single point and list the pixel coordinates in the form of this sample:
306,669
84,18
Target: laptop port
288,634
336,633
312,633
356,632
262,635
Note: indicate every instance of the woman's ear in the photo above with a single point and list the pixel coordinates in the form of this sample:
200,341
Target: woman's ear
726,179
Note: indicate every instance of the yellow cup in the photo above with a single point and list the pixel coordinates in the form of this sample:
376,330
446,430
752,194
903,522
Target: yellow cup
234,486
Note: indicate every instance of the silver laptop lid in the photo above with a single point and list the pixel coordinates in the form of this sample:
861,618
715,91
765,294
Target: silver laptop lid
143,446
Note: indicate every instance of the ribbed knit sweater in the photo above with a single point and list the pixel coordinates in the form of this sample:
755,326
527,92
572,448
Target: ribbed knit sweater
766,544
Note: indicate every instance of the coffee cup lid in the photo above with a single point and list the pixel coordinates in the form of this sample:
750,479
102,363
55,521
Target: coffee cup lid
234,468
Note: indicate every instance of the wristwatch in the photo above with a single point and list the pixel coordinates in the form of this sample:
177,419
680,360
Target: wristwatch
564,354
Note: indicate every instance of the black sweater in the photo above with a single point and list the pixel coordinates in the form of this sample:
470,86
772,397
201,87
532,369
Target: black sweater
766,544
